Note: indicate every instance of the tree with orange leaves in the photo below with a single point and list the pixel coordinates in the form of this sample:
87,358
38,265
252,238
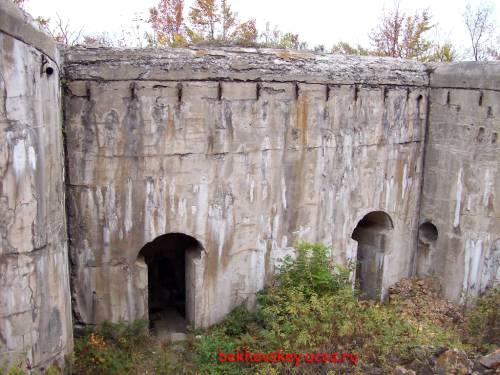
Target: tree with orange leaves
204,16
167,22
246,33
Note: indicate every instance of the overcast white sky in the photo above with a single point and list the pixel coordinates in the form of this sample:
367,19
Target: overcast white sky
316,21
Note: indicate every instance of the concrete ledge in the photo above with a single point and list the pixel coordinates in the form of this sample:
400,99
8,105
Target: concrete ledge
239,64
19,25
469,75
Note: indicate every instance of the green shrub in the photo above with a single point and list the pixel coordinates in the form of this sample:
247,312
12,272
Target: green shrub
53,370
238,321
311,307
207,350
312,271
295,313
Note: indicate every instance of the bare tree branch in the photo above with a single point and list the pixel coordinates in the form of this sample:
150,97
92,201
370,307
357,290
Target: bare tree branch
480,28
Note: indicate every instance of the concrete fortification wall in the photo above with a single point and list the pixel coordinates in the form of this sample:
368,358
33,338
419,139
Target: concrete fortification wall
228,157
247,151
461,195
35,313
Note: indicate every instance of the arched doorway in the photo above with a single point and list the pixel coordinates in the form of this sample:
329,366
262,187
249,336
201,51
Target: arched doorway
372,234
171,272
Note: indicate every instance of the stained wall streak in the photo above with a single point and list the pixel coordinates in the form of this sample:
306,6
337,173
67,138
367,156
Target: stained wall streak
35,313
462,178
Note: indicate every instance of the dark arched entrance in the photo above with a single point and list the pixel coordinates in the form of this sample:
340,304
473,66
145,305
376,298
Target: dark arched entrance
372,235
170,280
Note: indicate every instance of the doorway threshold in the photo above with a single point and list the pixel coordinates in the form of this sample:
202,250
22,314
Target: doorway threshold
168,325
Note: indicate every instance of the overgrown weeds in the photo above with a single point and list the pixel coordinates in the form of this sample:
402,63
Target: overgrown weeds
310,307
112,348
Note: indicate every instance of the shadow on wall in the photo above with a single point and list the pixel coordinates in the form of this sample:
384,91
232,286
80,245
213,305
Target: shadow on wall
171,279
372,234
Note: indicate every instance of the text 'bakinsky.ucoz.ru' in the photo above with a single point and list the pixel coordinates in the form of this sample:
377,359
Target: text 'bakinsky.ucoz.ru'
283,357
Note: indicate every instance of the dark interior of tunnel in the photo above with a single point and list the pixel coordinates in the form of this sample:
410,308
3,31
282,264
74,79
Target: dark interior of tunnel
167,286
375,220
166,260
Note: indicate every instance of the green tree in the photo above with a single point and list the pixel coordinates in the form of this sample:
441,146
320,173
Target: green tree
415,45
289,40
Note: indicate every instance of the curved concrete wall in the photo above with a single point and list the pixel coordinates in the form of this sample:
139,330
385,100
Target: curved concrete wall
246,150
35,314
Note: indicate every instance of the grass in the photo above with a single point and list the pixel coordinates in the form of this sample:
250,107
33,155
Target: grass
308,308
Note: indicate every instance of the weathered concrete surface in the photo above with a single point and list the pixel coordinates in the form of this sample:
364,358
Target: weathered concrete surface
461,194
246,150
484,75
239,64
247,167
35,314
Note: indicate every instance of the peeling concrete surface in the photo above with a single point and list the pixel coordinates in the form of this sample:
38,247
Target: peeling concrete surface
239,64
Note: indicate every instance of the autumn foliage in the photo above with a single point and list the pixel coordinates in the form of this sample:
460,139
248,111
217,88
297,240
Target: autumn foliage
167,21
401,35
208,22
398,33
